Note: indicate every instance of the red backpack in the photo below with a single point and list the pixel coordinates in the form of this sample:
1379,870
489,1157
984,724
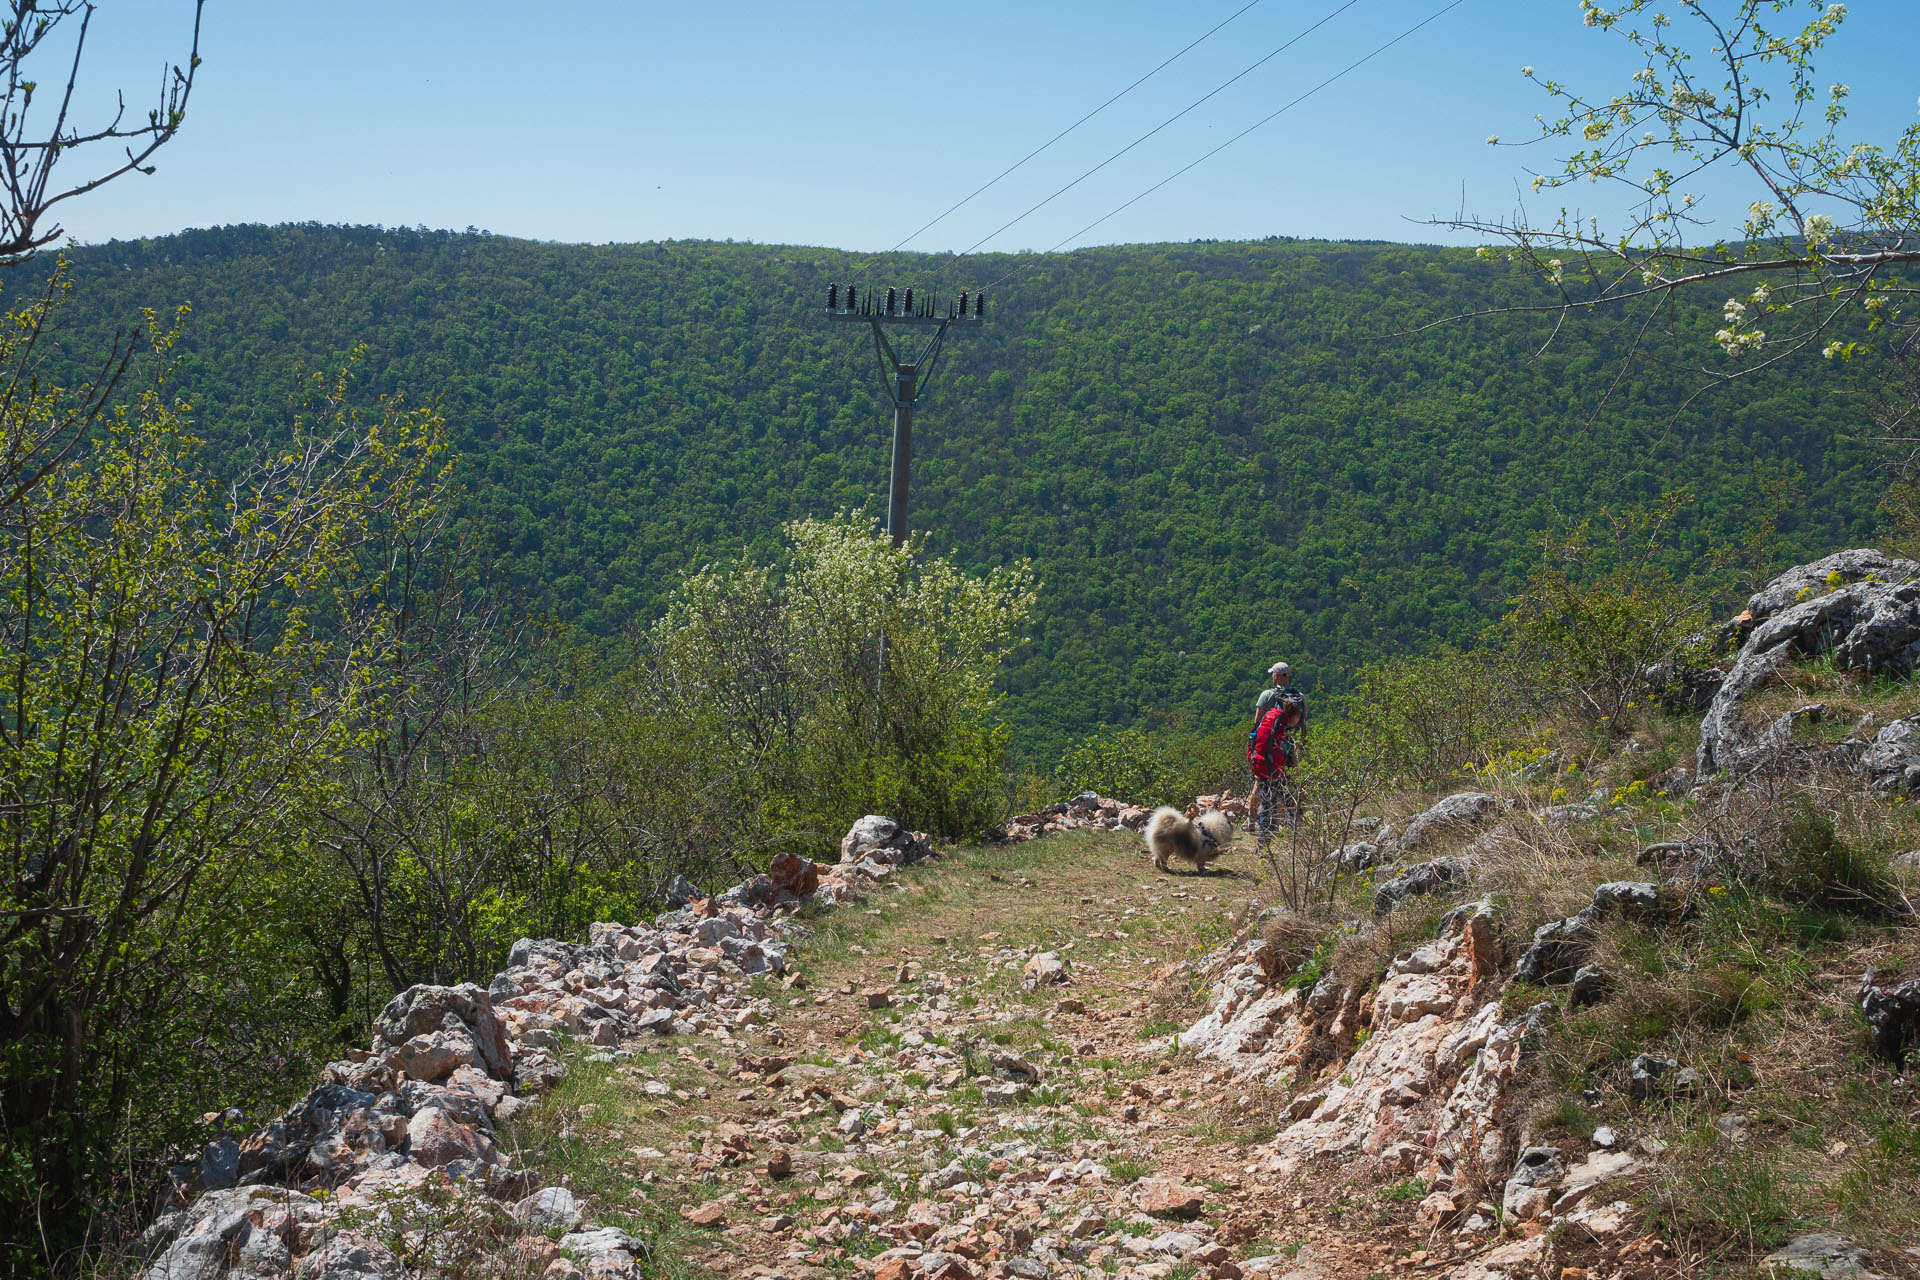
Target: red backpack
1270,746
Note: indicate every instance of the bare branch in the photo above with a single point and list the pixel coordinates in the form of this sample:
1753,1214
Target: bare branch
29,154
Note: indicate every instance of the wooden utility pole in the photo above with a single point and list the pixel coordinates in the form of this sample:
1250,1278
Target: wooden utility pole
903,380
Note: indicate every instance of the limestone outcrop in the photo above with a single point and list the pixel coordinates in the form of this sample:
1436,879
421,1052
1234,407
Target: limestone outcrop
1860,605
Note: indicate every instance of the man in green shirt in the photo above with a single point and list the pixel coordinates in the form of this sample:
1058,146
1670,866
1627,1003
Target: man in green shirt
1282,676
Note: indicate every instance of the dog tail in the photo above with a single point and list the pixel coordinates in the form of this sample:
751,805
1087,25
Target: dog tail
1165,821
1165,831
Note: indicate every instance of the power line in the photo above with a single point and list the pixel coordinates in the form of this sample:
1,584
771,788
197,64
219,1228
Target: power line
1189,108
968,198
1264,120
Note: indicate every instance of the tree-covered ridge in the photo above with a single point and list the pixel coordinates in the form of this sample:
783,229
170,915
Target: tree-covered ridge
1215,454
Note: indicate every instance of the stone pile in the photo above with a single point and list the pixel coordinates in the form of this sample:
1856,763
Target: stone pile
1085,812
1235,807
417,1110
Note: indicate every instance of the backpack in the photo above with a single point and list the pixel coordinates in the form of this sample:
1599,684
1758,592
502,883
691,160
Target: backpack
1270,750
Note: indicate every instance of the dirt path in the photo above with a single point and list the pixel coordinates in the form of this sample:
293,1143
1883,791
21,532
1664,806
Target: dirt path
926,1103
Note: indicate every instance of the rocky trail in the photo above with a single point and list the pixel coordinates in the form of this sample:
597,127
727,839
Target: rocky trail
979,1077
1036,1058
981,1067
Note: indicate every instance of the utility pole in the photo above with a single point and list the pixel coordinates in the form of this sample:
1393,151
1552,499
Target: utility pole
903,380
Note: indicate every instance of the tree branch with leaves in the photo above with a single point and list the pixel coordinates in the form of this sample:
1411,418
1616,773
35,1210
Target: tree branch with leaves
1726,92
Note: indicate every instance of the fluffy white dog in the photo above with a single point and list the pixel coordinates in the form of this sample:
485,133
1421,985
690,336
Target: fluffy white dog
1170,834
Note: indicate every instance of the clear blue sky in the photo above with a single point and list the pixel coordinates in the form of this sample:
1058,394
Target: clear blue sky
853,124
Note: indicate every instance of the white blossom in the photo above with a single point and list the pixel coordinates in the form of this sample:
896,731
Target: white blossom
1526,71
1819,229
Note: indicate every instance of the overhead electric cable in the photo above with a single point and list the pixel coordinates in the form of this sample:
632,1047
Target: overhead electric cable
1190,107
1264,120
983,187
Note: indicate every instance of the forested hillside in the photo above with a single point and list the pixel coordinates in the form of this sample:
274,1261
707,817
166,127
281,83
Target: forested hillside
1216,453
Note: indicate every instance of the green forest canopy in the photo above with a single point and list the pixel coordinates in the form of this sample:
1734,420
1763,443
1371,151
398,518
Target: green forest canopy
1215,453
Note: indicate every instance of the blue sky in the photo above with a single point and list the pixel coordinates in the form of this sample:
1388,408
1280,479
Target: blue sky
853,124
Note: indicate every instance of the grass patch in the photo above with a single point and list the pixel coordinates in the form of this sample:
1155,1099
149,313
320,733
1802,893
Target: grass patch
1719,1193
1406,1191
568,1136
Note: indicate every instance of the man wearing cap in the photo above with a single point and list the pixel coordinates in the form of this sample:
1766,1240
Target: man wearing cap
1273,792
1282,675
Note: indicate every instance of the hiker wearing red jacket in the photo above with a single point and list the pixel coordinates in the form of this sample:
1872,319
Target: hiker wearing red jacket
1279,718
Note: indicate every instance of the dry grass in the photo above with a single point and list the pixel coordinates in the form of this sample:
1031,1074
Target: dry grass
1754,987
1848,695
1293,936
1754,990
1539,873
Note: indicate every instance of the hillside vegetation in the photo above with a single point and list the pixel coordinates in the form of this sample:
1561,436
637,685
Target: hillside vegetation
1214,453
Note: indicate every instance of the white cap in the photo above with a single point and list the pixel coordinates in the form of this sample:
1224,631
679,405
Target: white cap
1279,669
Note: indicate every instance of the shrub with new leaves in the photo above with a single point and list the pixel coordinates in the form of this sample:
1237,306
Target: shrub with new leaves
169,701
1436,713
1601,618
1168,764
857,678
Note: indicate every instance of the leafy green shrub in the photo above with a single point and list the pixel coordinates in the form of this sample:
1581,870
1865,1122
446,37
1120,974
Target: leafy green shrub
1439,712
1602,624
857,677
171,701
1168,765
1123,763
